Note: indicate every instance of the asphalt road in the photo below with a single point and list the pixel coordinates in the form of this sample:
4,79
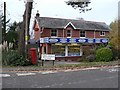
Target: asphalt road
96,78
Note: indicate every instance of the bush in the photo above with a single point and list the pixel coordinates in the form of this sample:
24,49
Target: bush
90,58
104,54
88,54
13,58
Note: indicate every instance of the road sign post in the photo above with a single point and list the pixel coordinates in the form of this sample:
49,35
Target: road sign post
50,57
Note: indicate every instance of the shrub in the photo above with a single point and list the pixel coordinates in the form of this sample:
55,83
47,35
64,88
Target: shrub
104,54
90,58
88,54
13,58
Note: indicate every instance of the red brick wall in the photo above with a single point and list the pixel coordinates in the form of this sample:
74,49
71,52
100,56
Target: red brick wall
97,34
89,34
75,33
60,32
46,33
49,49
37,35
67,58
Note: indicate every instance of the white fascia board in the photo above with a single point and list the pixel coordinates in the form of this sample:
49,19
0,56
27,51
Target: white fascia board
37,23
69,24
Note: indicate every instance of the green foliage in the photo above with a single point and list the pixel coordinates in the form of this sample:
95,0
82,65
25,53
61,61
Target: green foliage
13,58
11,36
101,46
104,54
115,38
88,54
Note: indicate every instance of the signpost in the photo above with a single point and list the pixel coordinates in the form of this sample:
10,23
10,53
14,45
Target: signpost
50,57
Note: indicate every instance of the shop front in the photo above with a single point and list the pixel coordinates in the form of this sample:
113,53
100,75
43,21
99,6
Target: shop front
67,48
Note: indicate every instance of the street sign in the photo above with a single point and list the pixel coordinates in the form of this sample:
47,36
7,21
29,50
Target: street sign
41,40
75,40
104,40
48,57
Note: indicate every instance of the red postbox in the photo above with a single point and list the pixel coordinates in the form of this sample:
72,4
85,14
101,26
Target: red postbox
33,55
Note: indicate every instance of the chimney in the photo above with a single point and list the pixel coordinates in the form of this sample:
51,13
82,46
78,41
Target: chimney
37,14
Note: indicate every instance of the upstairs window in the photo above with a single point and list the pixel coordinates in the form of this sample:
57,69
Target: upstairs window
68,33
82,34
54,33
102,33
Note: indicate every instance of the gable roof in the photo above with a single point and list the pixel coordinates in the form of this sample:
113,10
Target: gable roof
48,22
69,24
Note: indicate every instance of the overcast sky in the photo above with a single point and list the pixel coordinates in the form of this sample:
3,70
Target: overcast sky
102,10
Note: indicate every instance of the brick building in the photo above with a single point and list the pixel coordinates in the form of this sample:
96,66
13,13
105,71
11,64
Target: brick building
66,37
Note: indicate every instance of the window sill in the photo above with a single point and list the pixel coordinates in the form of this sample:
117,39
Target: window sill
82,37
102,35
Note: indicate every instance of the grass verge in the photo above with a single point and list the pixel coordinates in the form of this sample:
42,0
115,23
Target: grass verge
63,66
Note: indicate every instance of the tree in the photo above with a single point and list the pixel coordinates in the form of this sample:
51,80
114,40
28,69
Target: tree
81,4
114,37
4,22
12,34
0,29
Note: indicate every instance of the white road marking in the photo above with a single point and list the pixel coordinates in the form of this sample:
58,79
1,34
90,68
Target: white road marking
48,72
4,75
25,74
113,70
92,68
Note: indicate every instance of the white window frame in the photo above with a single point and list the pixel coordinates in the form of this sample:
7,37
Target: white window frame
102,33
80,33
56,33
70,33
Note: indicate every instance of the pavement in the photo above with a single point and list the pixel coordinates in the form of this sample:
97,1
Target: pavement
48,63
37,68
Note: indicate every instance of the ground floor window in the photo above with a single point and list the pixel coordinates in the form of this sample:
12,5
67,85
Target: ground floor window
73,50
66,50
58,50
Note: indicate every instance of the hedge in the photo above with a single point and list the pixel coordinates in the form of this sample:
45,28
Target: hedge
104,54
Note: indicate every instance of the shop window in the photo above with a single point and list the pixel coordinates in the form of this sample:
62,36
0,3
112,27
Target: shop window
58,50
73,50
54,33
82,34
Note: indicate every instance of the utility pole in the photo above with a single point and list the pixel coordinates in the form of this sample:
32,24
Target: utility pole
27,23
26,30
4,31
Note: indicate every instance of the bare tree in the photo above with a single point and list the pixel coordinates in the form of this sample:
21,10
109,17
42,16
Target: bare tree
81,4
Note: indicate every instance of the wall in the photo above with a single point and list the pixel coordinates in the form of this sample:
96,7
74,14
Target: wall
75,33
36,32
46,33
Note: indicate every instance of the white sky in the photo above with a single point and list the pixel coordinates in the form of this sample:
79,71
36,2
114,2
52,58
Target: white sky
102,10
